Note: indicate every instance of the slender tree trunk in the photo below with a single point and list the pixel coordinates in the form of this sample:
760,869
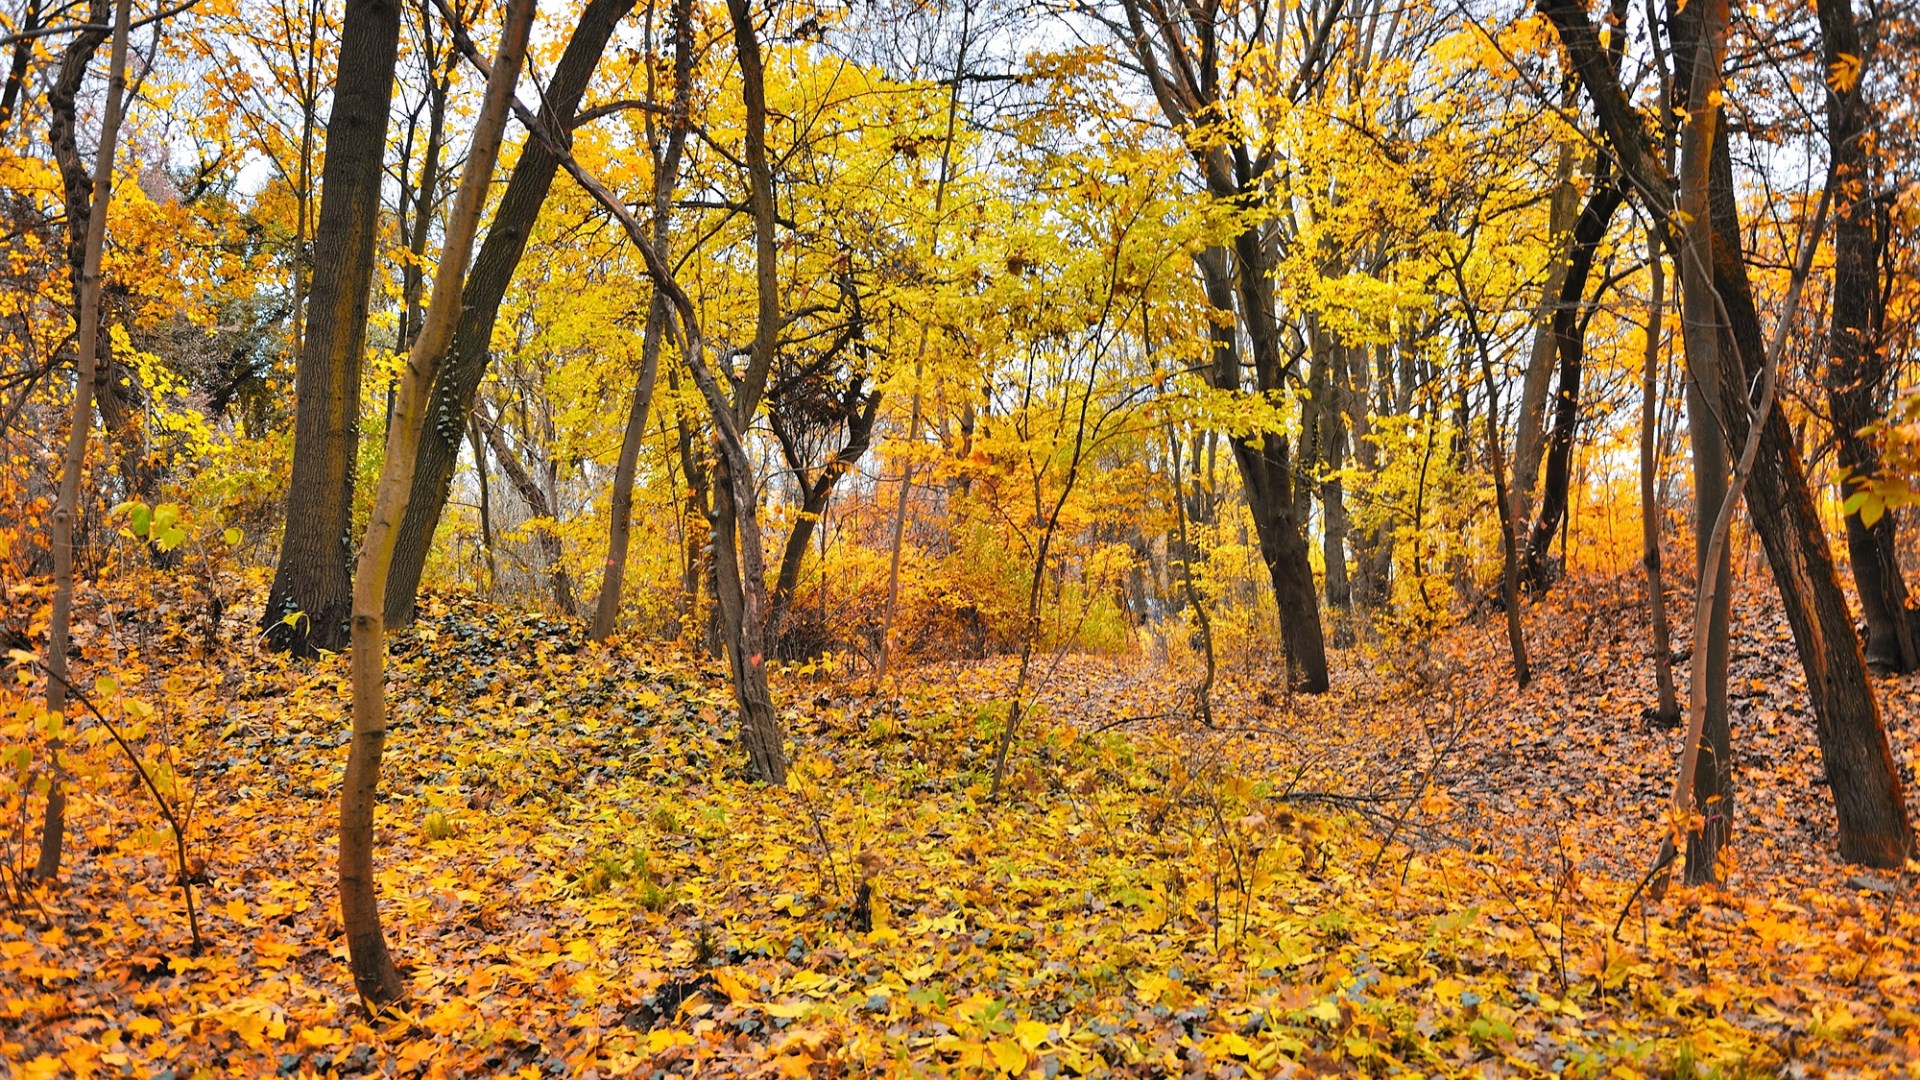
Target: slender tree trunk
1858,370
1529,440
539,501
494,265
1667,710
1569,332
67,503
374,974
311,598
666,173
486,502
1509,547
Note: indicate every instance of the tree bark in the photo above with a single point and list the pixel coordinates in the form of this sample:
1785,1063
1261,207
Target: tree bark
494,265
1529,438
67,502
374,974
311,599
1858,370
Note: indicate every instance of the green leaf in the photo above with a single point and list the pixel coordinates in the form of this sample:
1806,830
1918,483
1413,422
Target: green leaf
1871,510
231,536
170,537
140,519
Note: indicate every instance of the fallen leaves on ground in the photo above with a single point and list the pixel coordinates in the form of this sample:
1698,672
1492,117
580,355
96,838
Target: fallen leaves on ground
578,881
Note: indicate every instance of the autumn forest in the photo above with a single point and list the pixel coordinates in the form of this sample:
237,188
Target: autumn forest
674,538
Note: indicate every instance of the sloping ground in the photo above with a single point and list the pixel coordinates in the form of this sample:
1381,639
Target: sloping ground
582,884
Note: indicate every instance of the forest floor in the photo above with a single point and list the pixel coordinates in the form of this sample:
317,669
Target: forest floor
1423,872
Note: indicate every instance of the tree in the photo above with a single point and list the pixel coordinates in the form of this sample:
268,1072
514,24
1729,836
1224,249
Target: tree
494,265
87,350
1859,364
311,599
1874,828
374,974
666,171
1180,52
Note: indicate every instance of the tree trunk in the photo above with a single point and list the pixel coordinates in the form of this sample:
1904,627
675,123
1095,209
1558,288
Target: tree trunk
816,491
537,500
1569,333
1667,708
1858,371
493,268
311,598
67,503
1264,469
1874,827
374,974
666,172
1529,440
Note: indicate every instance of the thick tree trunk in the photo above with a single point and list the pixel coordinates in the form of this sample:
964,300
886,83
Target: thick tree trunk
1265,472
67,502
374,973
1858,370
311,598
494,264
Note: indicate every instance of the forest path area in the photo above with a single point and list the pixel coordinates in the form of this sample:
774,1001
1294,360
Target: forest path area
580,881
1433,743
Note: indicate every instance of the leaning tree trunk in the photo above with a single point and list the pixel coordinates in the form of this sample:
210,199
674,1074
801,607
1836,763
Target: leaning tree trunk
1858,365
494,265
1569,335
374,974
67,501
311,598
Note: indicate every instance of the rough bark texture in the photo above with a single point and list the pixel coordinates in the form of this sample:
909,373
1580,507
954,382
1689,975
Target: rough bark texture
1858,372
311,586
1874,828
493,269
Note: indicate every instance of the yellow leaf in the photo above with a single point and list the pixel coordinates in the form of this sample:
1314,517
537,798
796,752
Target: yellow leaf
1008,1056
1031,1033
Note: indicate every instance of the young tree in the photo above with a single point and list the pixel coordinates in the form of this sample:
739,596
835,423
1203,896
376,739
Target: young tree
666,172
374,973
311,599
67,504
